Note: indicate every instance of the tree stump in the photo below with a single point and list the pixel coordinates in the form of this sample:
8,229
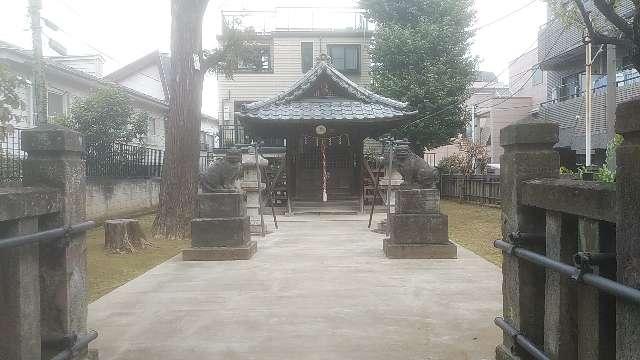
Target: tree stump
124,235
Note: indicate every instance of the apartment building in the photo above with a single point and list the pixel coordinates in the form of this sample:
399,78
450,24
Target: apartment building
292,40
561,55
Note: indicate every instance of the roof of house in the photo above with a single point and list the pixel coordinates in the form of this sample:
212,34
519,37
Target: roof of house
64,69
324,93
104,81
161,60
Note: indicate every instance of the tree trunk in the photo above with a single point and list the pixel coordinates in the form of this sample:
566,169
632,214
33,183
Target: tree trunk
178,187
124,235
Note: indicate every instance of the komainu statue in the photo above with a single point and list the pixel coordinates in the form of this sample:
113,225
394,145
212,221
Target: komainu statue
416,173
223,173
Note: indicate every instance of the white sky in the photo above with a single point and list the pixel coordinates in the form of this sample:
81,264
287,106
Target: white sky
124,30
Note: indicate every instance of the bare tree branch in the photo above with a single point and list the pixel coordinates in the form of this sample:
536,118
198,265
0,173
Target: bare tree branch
597,36
607,9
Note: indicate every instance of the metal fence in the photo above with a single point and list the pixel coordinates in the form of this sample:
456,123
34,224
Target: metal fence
11,157
479,189
124,161
234,135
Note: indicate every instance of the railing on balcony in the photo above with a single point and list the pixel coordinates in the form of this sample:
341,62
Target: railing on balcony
300,18
574,90
234,135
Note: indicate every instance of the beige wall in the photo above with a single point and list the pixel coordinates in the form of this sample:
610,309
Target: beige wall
287,68
501,115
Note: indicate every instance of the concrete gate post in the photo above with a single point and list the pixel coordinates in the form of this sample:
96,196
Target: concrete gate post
628,227
528,154
54,160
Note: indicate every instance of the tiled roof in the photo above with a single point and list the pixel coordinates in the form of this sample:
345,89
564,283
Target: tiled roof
332,109
357,103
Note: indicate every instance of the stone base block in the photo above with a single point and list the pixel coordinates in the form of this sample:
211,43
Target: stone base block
245,252
221,205
419,229
231,232
420,251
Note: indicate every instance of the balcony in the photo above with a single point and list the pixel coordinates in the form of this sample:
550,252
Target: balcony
567,108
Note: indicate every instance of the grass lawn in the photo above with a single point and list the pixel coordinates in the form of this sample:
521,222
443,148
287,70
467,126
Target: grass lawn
107,271
474,227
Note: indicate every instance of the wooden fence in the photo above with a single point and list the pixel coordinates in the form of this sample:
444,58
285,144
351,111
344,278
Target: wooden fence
478,189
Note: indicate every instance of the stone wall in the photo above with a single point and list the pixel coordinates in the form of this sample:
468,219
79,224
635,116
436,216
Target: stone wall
43,252
562,240
109,198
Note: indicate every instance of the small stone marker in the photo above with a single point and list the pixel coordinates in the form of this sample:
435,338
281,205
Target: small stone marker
124,235
418,229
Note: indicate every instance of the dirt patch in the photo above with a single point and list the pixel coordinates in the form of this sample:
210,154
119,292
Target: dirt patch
107,271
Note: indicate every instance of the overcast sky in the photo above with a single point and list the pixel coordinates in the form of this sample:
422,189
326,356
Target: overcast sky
124,30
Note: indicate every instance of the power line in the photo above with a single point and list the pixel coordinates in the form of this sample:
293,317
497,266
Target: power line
88,44
504,16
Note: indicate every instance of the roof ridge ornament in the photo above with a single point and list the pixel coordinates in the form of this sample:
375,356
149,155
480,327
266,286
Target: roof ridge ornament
324,58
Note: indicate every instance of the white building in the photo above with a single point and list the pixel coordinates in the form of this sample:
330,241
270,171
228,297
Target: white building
72,77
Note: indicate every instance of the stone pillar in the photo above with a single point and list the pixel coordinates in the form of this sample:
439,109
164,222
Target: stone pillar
560,295
19,294
418,229
628,227
528,154
54,160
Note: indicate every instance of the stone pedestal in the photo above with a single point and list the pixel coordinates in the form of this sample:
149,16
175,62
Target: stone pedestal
221,230
418,229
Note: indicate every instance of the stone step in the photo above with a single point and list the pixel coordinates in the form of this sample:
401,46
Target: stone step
335,207
324,211
320,204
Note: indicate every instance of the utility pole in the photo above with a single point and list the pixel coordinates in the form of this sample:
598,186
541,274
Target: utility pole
39,85
473,123
587,99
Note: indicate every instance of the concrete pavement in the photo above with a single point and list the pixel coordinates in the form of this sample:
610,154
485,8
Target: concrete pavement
316,289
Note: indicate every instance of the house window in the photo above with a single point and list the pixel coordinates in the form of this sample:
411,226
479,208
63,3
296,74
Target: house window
346,58
306,51
538,76
55,104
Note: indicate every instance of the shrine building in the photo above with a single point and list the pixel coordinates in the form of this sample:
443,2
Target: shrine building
322,120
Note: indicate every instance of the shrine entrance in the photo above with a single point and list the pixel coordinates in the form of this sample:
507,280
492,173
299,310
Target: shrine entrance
325,168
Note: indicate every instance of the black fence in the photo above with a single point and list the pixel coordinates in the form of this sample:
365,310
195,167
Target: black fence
124,161
11,157
478,189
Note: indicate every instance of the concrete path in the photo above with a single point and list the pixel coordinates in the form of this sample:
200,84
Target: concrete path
316,289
